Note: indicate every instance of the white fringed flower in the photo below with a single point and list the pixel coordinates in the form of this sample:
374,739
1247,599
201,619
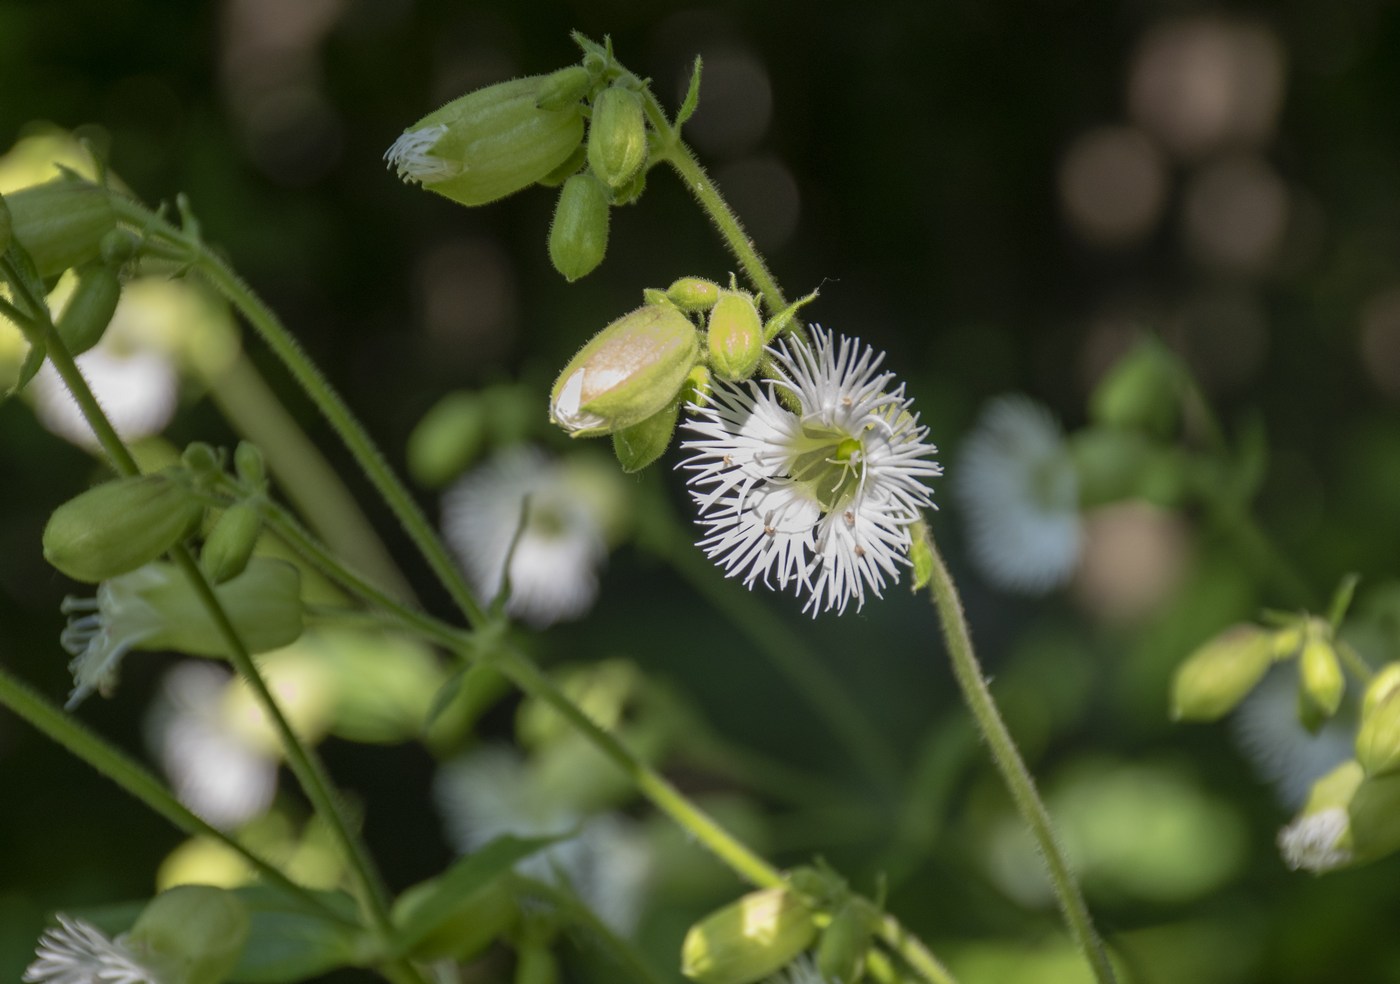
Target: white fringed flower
554,567
603,859
820,500
412,157
1312,842
1019,494
214,767
78,953
105,628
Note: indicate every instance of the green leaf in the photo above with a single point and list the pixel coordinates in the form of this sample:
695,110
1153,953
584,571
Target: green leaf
290,940
692,97
463,880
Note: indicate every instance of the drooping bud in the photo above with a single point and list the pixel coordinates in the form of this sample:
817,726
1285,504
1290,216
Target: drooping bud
1141,392
693,294
60,223
845,942
748,939
1218,675
626,373
735,336
1319,839
1320,678
193,933
563,88
155,607
1378,738
229,545
120,525
489,143
249,465
578,236
617,136
90,307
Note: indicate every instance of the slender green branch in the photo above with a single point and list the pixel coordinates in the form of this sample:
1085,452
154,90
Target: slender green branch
64,730
1008,760
327,400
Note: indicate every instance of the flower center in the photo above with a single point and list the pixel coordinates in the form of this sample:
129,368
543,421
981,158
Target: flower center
829,464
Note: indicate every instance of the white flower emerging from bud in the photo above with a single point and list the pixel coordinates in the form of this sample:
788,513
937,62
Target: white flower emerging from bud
78,953
823,498
1313,841
412,157
1020,497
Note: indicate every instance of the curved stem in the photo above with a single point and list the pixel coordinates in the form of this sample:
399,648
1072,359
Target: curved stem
1013,770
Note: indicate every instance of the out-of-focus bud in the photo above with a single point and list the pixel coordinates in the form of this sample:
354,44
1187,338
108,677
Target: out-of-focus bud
120,525
693,294
748,939
155,607
60,223
117,247
229,545
1320,678
488,144
626,373
578,236
1141,391
463,929
641,444
90,307
193,933
447,439
1375,817
1109,464
1378,738
735,336
563,88
845,942
1218,675
202,461
249,465
617,136
1319,839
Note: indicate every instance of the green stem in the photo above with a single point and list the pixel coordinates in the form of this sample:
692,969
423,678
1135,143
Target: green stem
327,400
302,472
305,766
1013,770
1355,663
623,952
63,730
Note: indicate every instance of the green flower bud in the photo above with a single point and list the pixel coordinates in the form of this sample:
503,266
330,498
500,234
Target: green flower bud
1320,837
1374,814
193,933
1219,674
469,927
156,608
90,307
229,545
563,88
845,942
641,444
626,373
447,439
488,144
1378,738
748,939
693,294
735,336
617,136
202,461
248,463
696,390
578,236
120,525
1141,391
117,247
1320,678
61,223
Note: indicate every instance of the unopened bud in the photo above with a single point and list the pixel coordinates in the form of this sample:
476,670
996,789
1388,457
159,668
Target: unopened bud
249,465
120,525
194,934
693,294
201,460
617,136
735,336
578,236
1320,679
563,88
447,439
117,247
61,223
488,144
748,939
1219,674
1378,738
629,371
845,942
1375,817
90,307
641,444
229,545
1141,391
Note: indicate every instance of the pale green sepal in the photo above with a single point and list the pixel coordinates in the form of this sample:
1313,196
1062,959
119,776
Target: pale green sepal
1221,673
641,444
118,526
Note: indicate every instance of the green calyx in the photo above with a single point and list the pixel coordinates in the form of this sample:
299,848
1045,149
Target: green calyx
617,136
578,236
61,223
